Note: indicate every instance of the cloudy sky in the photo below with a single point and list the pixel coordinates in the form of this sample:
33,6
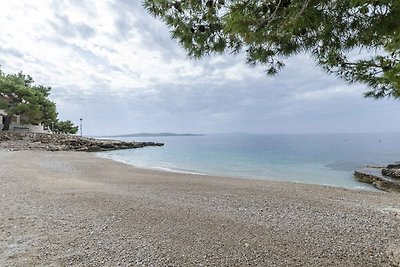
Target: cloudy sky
113,65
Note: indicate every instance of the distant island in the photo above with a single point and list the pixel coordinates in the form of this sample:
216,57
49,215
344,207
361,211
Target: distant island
155,135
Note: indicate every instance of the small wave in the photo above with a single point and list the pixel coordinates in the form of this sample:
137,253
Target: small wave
172,170
160,168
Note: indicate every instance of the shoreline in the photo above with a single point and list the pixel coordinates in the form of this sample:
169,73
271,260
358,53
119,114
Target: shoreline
73,208
363,186
161,169
16,141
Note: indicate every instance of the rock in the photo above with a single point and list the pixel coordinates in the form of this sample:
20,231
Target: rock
392,170
394,173
393,166
59,142
375,167
374,177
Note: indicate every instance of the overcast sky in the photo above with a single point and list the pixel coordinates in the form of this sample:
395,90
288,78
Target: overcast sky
115,66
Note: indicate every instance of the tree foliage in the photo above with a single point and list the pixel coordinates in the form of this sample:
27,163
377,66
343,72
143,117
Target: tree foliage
19,96
357,40
66,127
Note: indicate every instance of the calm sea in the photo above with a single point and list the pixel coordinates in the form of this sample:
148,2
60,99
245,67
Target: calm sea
327,159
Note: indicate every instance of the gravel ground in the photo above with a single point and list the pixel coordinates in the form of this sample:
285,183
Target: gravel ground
71,208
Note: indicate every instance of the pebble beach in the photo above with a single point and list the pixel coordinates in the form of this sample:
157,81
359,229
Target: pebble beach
74,209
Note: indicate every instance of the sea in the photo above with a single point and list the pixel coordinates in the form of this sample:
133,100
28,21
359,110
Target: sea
324,159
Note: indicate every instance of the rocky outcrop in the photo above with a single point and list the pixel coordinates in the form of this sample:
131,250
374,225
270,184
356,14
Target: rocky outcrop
387,179
55,142
392,170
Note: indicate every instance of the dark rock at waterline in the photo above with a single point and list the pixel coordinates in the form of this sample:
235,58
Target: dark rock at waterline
58,142
392,170
393,166
374,177
385,178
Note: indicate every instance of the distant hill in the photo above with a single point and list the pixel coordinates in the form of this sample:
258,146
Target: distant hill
155,135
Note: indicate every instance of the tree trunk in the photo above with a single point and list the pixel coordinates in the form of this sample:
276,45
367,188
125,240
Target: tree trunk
6,121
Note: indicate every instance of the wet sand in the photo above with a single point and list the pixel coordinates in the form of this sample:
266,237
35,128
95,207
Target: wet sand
71,208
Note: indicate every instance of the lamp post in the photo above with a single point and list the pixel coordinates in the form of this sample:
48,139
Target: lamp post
81,126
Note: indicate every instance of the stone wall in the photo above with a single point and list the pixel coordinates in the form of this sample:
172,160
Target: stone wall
28,128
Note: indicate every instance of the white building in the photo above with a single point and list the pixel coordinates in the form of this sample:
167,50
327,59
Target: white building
15,125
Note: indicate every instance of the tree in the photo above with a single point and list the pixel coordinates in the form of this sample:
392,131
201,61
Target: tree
19,96
357,40
47,107
66,127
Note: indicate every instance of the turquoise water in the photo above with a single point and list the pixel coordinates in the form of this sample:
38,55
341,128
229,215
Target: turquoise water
327,159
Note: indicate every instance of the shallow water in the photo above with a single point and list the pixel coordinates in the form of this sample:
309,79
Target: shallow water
328,159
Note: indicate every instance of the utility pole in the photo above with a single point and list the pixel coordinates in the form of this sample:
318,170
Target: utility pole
81,126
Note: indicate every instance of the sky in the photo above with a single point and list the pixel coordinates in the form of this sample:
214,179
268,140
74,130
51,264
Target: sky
116,67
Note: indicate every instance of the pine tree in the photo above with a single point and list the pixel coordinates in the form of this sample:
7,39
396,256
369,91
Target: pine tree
359,41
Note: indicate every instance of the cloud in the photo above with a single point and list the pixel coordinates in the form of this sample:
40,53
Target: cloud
11,52
64,27
329,93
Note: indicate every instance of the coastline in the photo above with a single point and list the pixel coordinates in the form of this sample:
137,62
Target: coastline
323,159
364,186
16,141
159,168
61,208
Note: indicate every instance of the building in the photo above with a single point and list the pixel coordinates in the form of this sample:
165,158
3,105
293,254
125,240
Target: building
15,125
